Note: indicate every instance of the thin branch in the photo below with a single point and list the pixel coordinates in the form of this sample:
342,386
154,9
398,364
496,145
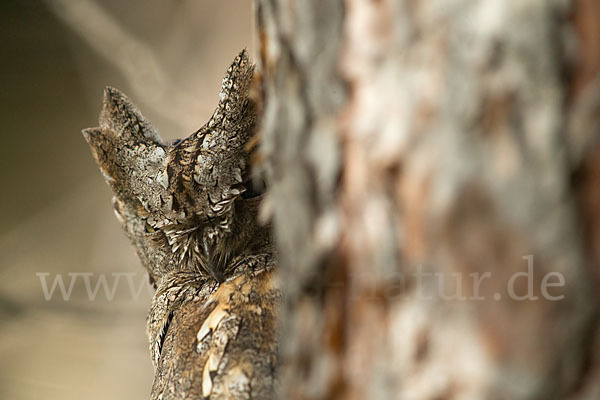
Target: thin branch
129,55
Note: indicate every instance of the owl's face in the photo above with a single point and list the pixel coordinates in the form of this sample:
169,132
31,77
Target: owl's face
179,202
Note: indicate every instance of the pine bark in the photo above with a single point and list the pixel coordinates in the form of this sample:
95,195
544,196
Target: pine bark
411,149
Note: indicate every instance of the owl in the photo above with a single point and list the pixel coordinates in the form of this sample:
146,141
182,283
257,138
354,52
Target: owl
190,209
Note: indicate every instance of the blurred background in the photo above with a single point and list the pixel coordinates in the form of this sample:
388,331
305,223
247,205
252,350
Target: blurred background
57,56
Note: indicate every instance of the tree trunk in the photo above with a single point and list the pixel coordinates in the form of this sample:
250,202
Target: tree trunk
434,178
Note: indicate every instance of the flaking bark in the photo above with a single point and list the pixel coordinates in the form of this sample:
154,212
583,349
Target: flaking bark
408,141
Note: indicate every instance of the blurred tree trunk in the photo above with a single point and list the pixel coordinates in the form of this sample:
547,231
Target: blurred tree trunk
422,153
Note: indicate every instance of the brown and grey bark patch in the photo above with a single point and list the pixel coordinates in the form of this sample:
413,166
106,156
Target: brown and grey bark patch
449,152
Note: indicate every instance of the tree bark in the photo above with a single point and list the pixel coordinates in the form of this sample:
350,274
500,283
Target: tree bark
434,169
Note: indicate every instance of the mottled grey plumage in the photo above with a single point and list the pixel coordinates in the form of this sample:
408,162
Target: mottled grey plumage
184,205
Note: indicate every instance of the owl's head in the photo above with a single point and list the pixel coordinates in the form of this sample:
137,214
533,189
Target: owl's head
183,203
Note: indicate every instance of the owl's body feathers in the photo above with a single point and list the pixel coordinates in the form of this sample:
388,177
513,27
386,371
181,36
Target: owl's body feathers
212,323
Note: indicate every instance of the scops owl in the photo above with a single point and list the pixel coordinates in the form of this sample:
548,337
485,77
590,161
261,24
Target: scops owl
189,207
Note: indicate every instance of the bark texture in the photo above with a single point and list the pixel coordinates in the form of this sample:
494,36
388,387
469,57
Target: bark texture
414,149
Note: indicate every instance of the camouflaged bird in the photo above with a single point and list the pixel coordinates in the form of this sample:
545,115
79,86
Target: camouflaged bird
189,208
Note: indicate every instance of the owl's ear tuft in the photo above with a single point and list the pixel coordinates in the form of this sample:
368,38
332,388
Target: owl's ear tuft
101,144
91,135
98,143
236,83
120,115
